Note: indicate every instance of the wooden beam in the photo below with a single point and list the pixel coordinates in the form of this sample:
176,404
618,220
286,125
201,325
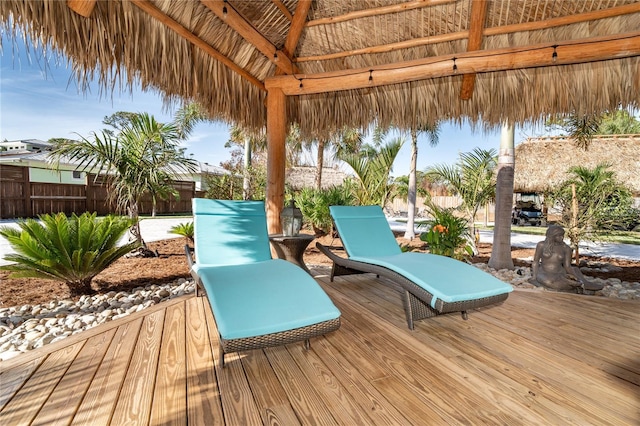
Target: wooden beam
182,31
82,7
478,14
283,9
225,11
459,35
539,55
276,156
295,31
376,11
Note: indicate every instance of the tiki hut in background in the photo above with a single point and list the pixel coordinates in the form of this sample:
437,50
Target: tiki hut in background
542,163
326,64
305,177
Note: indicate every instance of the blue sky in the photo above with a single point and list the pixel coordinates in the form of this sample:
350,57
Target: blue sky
40,100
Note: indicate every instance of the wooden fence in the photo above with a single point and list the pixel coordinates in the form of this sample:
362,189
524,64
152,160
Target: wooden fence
398,207
20,198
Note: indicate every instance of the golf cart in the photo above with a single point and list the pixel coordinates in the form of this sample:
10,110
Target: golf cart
527,210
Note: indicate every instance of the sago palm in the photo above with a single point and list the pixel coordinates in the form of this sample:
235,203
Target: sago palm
72,250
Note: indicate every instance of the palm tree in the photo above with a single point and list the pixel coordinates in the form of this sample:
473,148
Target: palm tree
587,196
471,178
501,247
432,132
250,142
343,141
142,157
373,172
582,128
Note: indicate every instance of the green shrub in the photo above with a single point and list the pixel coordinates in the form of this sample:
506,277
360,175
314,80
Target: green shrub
314,205
448,234
184,229
72,250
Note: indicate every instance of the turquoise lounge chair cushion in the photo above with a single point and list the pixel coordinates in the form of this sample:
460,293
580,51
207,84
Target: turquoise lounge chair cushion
364,231
230,232
367,237
250,293
264,297
445,278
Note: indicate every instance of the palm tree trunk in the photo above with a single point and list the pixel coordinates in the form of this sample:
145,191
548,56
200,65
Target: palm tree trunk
411,194
320,164
501,249
246,179
574,223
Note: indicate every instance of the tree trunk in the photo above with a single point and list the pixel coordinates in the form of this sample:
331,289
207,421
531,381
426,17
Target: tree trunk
320,164
246,179
135,228
501,250
574,223
81,287
411,196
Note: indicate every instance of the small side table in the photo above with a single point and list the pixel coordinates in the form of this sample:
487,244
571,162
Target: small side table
291,248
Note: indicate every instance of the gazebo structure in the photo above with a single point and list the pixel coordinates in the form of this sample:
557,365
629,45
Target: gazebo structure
325,64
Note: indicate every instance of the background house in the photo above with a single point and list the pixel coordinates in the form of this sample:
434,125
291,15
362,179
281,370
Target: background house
24,145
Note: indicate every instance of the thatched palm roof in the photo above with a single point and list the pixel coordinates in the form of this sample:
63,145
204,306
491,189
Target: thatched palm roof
544,162
400,62
305,177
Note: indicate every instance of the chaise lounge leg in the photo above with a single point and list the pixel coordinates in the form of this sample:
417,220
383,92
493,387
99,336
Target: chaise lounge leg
307,344
221,357
465,316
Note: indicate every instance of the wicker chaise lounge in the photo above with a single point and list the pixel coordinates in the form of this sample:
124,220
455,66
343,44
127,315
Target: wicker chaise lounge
256,301
431,284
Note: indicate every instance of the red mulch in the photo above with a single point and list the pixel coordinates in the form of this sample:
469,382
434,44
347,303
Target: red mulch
128,273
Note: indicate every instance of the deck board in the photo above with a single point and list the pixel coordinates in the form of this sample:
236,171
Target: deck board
538,358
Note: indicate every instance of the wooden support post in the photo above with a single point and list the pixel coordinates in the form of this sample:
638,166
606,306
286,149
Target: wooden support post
82,7
276,158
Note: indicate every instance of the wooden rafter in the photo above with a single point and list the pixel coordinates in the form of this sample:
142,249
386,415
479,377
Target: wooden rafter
478,14
295,31
82,7
539,55
225,11
182,31
506,29
376,11
283,9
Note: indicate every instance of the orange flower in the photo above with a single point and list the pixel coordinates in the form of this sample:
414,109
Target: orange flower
439,228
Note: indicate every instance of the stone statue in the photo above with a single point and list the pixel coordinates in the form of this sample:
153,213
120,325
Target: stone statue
552,268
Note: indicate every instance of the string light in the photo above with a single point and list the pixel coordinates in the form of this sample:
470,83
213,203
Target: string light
275,56
554,56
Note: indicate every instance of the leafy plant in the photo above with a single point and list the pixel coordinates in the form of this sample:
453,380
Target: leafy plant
373,166
314,205
72,250
183,229
591,200
449,235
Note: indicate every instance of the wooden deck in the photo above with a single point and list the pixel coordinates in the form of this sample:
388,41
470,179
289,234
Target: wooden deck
540,358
